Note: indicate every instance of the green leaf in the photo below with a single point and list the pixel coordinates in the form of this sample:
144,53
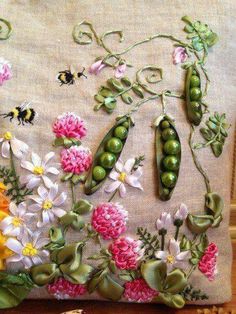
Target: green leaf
99,98
212,39
127,98
138,90
81,275
185,244
175,281
126,81
96,279
187,19
14,289
175,301
188,28
199,223
98,106
57,239
82,207
59,141
110,289
105,92
115,84
154,273
197,44
217,148
67,177
207,134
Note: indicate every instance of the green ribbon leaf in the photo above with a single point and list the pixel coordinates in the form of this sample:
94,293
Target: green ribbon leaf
199,223
82,207
214,205
14,289
175,301
175,281
154,273
97,278
44,274
57,239
72,219
110,289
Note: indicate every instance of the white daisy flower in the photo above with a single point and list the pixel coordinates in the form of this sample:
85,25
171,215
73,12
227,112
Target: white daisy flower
124,174
174,258
9,142
40,169
48,203
29,250
15,225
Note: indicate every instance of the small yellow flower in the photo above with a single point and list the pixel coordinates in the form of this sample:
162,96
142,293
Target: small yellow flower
29,250
122,177
47,204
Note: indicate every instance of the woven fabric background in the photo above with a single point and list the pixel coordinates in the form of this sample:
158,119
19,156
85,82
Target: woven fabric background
42,45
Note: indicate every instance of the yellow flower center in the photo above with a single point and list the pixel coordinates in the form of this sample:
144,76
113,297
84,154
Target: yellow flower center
170,259
16,221
47,204
122,177
7,136
29,250
38,170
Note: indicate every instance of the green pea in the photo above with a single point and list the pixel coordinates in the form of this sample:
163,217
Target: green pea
194,72
169,179
165,192
99,174
172,147
168,134
195,106
126,124
121,132
171,163
93,182
194,81
114,145
107,160
165,124
195,93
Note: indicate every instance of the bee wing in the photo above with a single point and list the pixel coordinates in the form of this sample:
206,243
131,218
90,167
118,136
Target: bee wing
25,105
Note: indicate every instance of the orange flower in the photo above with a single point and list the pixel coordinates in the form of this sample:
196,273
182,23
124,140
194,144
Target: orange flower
4,200
4,251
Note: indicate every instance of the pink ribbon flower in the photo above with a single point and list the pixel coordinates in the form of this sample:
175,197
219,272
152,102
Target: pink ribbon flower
120,70
97,67
179,55
5,71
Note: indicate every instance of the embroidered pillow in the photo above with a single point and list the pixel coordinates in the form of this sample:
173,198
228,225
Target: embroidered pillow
124,195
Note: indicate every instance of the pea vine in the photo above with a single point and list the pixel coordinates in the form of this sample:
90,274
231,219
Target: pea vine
5,29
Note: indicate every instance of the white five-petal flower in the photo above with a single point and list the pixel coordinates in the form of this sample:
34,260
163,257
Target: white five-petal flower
9,142
40,169
174,258
182,212
124,174
164,222
15,225
48,204
29,250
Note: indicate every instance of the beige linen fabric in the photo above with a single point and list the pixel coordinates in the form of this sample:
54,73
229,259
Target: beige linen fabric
41,45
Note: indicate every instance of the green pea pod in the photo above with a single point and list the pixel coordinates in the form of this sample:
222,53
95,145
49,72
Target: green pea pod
199,223
193,95
98,172
168,156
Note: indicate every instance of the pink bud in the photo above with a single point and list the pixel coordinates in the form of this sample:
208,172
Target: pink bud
96,67
179,55
120,70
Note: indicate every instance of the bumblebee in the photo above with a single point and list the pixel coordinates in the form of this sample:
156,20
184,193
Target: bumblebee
22,113
68,77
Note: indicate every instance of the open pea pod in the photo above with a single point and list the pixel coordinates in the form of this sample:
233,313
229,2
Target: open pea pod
193,95
168,156
107,154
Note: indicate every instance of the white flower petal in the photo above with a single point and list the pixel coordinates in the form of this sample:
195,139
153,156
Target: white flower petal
33,182
36,160
114,175
41,242
161,255
45,219
60,199
132,181
14,258
5,222
59,212
14,245
27,262
25,179
19,148
138,172
36,260
48,157
174,247
119,165
48,182
6,149
159,224
52,170
122,190
43,193
129,165
27,165
112,186
53,191
185,255
35,207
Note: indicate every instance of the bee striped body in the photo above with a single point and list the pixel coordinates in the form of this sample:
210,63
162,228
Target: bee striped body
22,113
68,78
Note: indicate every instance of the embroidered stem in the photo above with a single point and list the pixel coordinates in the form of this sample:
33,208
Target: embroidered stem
177,233
162,241
191,271
72,187
8,31
196,161
113,195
